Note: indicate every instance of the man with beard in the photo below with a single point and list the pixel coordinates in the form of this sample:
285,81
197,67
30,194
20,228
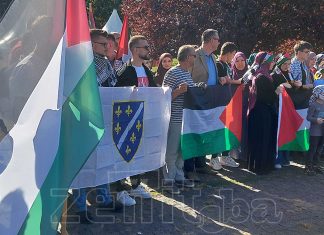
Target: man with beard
134,73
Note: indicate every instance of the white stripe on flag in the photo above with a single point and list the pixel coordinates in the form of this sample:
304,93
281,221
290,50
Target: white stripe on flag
35,140
202,121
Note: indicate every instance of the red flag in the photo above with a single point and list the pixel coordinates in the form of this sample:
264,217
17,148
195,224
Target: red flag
232,115
123,41
289,120
92,24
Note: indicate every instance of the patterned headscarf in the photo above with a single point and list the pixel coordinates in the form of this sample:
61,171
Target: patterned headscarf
262,62
104,71
318,90
251,59
237,74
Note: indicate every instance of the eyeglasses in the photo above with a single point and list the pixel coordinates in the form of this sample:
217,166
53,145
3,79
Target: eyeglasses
104,44
145,47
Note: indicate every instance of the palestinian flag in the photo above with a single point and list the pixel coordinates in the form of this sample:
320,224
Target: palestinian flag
51,118
212,120
293,128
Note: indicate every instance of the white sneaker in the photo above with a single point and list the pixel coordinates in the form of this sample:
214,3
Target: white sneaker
228,161
215,164
278,166
124,198
140,191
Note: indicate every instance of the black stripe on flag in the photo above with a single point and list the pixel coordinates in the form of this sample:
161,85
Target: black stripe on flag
198,98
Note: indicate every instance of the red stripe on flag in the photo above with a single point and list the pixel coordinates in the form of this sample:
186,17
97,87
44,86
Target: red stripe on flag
290,121
232,115
123,41
76,22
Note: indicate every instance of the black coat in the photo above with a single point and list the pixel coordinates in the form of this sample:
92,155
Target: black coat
127,75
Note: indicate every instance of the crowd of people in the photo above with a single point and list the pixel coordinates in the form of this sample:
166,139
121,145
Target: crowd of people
263,75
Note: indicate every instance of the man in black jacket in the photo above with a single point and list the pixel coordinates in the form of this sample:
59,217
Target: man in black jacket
135,73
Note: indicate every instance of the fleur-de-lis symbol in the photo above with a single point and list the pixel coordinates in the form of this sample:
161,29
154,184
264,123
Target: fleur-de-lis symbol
118,112
117,128
133,138
138,125
128,150
129,110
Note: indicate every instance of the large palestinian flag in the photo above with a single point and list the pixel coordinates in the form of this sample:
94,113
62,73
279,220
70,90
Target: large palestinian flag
293,128
50,112
212,120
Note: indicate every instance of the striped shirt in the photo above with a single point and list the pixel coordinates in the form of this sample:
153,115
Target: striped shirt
173,78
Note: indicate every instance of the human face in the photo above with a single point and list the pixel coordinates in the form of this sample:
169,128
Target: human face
302,55
215,42
230,56
271,65
100,45
111,50
166,62
312,62
143,50
285,66
191,58
240,63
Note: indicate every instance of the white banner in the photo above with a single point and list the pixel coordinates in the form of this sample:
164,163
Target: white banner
136,127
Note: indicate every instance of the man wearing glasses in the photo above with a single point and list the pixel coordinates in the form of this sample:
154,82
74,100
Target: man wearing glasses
205,70
298,68
134,72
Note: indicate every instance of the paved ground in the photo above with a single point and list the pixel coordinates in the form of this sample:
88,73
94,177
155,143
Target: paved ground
231,201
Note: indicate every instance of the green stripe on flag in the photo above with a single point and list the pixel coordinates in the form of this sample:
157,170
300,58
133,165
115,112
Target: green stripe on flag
81,130
300,143
194,145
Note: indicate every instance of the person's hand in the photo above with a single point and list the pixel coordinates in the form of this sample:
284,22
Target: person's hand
286,85
319,120
222,80
183,87
279,89
308,86
297,83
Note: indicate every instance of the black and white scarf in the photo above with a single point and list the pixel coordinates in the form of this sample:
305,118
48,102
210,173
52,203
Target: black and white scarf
105,72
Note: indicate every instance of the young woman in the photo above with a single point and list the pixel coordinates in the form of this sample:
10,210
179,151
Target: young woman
165,63
262,117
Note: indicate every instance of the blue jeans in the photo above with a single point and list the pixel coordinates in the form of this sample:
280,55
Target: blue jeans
80,196
283,158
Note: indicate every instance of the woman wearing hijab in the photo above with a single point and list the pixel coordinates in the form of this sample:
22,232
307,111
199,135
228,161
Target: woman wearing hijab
310,64
281,75
239,68
165,63
262,117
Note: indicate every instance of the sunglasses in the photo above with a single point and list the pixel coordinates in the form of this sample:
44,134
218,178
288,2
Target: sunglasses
145,47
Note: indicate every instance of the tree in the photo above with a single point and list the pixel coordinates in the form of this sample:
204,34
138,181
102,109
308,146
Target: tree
103,9
251,24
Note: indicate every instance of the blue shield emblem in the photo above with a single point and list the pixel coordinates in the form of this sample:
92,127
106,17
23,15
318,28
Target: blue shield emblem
127,127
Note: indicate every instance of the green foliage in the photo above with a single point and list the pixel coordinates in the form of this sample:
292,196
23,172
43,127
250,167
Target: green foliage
102,10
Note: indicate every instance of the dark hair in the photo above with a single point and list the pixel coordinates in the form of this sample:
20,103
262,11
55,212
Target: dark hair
208,34
110,37
301,45
95,33
133,41
184,52
228,47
